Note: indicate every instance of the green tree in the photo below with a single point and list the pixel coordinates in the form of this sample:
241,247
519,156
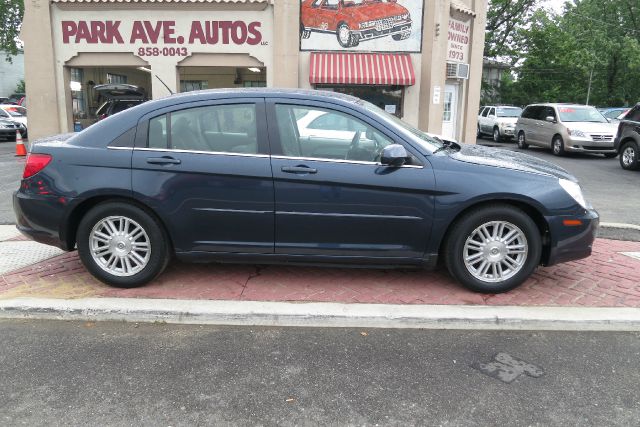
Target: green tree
11,13
505,21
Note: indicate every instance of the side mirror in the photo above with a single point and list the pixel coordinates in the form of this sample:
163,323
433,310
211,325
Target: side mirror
394,155
550,119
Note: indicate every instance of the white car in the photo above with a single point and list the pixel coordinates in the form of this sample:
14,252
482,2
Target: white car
498,121
16,114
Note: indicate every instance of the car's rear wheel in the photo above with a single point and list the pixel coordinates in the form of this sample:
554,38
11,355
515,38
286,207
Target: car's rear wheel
557,146
122,245
522,142
493,249
478,133
304,33
629,156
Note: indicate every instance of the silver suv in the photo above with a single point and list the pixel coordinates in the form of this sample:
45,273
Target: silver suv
498,121
566,128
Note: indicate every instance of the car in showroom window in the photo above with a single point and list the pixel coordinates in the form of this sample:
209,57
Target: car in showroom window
275,175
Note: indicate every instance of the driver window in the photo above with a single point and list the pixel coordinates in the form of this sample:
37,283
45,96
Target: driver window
330,4
326,134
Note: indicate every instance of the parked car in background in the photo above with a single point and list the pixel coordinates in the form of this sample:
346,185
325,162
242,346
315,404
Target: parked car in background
627,142
612,112
353,21
16,98
8,129
118,97
17,114
618,118
498,121
566,128
225,175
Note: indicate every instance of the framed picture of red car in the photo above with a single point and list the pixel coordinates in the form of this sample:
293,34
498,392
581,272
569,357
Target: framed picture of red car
361,25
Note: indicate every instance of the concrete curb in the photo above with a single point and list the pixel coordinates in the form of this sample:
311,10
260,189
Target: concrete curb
256,313
619,231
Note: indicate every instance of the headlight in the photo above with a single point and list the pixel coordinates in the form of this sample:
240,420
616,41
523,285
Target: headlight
576,132
574,190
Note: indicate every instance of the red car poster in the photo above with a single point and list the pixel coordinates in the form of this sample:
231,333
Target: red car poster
361,25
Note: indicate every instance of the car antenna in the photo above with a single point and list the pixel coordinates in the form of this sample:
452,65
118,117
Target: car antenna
165,85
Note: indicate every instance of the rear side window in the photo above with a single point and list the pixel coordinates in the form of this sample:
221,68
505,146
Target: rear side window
218,128
531,112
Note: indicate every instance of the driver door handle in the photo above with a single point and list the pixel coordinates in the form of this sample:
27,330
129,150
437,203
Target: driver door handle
298,169
163,161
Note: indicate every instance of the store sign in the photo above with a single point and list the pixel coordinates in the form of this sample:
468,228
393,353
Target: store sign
361,25
154,32
458,38
163,33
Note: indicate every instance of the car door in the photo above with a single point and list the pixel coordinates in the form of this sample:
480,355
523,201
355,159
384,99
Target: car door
546,129
348,205
531,124
205,168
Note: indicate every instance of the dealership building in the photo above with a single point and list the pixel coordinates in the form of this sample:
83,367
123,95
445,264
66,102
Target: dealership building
418,59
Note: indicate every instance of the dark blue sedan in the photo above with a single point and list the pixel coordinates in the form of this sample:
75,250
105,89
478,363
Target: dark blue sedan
290,176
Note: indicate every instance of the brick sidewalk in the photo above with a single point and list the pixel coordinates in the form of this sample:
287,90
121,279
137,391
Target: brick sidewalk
606,279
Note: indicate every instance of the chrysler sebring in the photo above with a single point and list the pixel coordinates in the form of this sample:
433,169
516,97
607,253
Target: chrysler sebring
230,176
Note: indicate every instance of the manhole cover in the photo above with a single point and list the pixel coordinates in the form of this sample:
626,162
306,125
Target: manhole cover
507,368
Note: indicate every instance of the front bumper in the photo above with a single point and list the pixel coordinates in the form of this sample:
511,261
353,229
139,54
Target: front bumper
570,243
373,33
588,145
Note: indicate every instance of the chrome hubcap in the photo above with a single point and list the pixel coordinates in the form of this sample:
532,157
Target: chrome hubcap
120,246
627,156
344,34
495,251
556,146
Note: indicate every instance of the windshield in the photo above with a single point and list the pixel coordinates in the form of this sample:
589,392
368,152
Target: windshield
427,142
581,114
509,111
16,111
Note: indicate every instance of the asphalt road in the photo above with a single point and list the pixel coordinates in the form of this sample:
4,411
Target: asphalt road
122,374
614,192
10,173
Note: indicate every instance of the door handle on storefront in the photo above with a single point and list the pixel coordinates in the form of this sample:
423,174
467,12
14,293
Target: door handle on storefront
298,169
163,161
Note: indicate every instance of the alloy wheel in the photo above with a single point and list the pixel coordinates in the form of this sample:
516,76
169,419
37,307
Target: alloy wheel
495,251
628,156
120,246
344,33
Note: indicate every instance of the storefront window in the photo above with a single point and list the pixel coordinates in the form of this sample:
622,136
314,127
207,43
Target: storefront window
389,98
255,84
191,85
116,78
78,101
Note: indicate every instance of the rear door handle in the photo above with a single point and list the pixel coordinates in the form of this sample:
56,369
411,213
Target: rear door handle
298,169
163,161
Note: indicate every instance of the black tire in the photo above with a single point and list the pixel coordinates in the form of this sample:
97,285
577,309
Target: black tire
522,141
557,146
629,156
159,244
352,40
401,36
464,227
496,134
610,155
478,133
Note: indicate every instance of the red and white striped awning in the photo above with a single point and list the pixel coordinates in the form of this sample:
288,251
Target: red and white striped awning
361,68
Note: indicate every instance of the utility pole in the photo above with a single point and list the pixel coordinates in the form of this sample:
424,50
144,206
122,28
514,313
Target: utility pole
589,89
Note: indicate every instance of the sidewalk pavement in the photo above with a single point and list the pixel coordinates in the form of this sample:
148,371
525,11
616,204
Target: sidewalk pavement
609,278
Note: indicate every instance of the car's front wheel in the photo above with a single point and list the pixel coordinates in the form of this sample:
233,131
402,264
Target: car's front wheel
629,156
345,36
401,36
557,146
122,245
493,249
496,134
